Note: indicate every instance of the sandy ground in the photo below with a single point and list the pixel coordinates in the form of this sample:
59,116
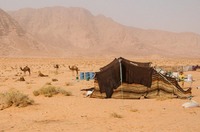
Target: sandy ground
78,113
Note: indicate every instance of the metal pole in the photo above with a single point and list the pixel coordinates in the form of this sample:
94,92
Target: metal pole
120,64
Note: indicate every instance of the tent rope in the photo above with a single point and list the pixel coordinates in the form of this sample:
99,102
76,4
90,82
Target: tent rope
175,88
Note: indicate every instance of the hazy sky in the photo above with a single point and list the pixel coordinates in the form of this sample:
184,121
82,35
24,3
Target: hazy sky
170,15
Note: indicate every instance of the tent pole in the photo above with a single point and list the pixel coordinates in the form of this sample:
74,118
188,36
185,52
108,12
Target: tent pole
120,64
167,80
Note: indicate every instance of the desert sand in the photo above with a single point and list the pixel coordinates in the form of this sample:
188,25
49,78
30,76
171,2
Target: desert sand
83,114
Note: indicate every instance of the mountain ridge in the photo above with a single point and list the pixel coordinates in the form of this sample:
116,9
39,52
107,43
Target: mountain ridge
15,41
75,31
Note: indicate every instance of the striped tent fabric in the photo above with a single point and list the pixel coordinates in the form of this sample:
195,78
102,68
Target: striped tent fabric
161,86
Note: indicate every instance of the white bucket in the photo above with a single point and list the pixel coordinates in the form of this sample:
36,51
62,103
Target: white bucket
189,78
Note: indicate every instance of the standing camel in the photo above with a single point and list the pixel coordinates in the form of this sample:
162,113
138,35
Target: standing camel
26,69
74,68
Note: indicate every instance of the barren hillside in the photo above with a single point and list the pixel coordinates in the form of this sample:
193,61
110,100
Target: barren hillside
14,41
76,32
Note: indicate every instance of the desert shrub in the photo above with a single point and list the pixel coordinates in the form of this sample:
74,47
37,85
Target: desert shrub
14,98
54,79
36,93
56,72
68,84
134,110
115,115
21,79
48,83
50,90
64,92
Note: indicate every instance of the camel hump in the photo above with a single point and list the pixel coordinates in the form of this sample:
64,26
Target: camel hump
73,67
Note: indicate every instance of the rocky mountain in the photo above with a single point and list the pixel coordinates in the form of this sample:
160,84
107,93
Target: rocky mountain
76,32
14,41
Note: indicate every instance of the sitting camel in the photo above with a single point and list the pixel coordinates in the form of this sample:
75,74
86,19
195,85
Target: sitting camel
42,75
74,68
26,69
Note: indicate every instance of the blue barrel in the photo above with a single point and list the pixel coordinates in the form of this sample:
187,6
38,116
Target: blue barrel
92,75
87,76
81,75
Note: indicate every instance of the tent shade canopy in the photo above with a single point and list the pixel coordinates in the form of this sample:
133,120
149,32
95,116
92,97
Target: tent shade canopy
123,78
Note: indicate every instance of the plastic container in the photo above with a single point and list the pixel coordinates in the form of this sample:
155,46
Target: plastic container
87,76
92,75
189,78
81,75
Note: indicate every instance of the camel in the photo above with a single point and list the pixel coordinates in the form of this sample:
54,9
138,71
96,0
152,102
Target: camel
42,75
21,79
26,69
74,68
56,66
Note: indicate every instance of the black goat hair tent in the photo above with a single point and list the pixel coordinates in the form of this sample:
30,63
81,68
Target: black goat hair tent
123,78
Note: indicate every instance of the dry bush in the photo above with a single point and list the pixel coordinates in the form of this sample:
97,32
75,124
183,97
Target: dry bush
21,79
5,79
68,84
66,93
49,91
115,115
56,72
54,79
48,83
134,110
14,98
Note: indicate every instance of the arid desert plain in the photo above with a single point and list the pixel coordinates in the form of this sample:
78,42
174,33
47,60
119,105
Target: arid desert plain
79,113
